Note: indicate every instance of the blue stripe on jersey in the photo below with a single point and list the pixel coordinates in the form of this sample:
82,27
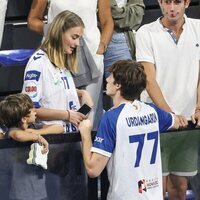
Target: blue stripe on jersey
38,55
107,129
165,118
36,104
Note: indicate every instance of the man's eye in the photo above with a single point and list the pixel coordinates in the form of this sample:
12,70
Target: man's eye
167,2
177,1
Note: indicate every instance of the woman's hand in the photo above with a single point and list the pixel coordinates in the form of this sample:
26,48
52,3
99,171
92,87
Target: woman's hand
76,117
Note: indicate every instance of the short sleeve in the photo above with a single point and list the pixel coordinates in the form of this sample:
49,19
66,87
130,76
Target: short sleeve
166,119
144,48
105,139
33,78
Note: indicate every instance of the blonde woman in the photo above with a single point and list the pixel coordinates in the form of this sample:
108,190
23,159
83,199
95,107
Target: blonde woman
47,78
96,40
48,81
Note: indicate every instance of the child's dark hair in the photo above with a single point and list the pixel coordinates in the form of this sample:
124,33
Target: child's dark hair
131,76
13,108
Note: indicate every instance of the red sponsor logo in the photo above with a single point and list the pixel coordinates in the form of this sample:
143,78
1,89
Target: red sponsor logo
142,186
31,89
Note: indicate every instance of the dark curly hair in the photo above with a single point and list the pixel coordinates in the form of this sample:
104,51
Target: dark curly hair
131,76
13,108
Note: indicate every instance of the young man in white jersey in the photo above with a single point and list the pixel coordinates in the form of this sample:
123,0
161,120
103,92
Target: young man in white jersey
127,141
169,49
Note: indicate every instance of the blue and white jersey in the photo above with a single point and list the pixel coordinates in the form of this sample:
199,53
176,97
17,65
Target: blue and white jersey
50,87
129,135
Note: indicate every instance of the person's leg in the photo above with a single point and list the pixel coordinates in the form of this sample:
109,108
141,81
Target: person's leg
165,152
195,180
195,185
116,50
177,187
3,8
164,179
183,163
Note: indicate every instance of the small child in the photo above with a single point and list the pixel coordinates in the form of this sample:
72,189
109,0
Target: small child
17,121
18,116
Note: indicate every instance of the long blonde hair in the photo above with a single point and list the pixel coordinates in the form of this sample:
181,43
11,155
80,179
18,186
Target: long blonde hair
53,43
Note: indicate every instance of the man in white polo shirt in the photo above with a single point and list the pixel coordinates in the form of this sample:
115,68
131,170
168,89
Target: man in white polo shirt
169,50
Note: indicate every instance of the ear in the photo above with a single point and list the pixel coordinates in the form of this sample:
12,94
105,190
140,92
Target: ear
187,3
23,120
118,86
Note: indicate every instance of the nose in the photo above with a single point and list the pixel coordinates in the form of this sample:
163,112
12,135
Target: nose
171,5
107,79
77,42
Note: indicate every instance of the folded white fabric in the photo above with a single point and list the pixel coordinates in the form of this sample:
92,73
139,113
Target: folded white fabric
36,157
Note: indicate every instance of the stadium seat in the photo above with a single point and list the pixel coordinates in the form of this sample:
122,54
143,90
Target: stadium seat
12,65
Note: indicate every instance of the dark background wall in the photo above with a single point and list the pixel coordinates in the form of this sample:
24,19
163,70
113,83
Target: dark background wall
16,34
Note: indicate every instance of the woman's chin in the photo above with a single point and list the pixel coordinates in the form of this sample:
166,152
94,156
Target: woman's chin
68,51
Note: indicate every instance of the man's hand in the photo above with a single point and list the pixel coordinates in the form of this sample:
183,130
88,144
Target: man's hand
196,118
183,123
85,128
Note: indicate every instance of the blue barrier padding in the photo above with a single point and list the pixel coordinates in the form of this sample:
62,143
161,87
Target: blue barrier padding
15,57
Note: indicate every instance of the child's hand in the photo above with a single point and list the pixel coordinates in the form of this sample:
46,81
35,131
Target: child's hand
44,143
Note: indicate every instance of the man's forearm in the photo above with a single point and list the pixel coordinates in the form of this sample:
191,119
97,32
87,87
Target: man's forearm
157,96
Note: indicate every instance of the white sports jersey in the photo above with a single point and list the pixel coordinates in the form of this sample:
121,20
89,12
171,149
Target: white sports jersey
129,135
87,10
50,87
